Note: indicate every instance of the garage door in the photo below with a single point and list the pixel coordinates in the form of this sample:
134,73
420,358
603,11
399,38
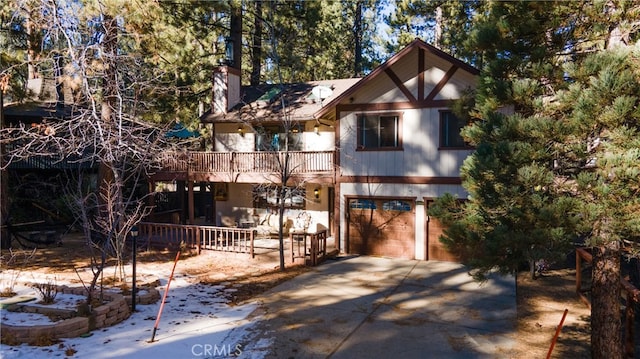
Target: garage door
435,249
382,227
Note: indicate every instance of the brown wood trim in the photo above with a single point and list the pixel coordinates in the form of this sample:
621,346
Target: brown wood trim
400,180
443,81
382,198
379,149
387,106
420,74
396,80
417,43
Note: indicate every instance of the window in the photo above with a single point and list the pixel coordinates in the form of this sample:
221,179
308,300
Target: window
450,127
400,206
269,197
274,138
362,204
379,132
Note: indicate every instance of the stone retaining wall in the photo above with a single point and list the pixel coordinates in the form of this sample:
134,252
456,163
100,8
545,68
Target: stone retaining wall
115,310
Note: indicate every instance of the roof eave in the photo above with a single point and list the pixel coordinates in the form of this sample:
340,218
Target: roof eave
387,64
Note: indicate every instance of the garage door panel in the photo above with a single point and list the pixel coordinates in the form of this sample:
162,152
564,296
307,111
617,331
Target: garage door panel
435,249
382,227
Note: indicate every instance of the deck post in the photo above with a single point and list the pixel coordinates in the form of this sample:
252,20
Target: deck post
251,238
190,202
314,249
198,241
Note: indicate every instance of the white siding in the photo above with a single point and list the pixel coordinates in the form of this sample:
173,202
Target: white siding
459,82
321,141
228,139
420,155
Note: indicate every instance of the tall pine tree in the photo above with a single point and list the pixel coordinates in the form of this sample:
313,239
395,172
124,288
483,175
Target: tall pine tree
564,167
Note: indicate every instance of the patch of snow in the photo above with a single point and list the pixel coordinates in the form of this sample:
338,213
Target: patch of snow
196,322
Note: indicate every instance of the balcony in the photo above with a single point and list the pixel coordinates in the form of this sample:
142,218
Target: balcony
246,166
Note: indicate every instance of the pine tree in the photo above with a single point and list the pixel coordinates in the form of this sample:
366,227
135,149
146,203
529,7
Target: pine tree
563,168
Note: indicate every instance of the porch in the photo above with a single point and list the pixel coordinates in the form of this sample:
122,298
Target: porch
244,166
313,250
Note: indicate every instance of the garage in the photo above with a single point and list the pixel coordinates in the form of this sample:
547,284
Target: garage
381,227
436,251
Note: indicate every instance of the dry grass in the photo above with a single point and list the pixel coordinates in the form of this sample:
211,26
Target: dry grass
541,302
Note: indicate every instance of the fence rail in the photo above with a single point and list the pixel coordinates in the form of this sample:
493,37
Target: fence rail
223,239
309,245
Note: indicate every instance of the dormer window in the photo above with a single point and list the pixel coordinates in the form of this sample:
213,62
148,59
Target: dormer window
379,132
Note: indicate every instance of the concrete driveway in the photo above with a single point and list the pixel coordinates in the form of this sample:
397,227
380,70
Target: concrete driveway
369,307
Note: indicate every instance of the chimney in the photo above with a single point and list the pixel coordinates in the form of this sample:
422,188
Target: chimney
226,89
227,80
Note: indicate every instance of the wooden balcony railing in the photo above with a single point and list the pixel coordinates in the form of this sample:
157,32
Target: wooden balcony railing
300,162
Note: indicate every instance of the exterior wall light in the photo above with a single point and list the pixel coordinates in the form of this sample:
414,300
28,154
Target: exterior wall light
316,129
316,193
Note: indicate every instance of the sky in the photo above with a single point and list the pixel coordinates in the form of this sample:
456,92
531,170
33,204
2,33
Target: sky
197,322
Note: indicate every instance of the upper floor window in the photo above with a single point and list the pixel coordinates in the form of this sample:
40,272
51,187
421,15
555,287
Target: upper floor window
279,138
450,127
379,132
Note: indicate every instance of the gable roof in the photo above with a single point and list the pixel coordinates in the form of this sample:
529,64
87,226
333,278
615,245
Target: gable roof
415,44
263,103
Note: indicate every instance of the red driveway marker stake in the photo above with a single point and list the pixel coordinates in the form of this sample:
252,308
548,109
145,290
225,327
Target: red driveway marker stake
555,337
164,297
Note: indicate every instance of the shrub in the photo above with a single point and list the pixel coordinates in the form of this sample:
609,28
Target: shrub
48,291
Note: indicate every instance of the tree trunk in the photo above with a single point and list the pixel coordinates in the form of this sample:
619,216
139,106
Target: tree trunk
5,237
357,32
281,229
437,41
606,332
256,56
236,35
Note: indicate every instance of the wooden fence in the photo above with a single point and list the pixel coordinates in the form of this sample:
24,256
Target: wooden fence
308,245
224,239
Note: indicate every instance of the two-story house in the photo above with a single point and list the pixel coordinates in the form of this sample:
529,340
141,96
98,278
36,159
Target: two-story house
365,156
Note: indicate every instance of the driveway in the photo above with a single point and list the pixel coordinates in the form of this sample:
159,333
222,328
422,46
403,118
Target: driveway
369,307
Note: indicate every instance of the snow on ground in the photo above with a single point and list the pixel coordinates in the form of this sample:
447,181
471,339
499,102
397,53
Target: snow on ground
196,322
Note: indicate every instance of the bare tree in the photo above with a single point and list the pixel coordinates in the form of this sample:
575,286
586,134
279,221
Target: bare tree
104,127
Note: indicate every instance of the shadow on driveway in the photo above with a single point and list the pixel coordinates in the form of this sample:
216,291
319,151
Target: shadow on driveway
369,307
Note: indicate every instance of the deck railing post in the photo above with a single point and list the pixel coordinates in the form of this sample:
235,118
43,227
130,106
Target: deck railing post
314,249
251,248
198,241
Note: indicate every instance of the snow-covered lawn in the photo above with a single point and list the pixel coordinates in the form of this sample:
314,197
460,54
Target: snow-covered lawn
196,322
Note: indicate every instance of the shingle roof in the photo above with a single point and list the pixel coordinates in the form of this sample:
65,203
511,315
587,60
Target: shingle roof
264,103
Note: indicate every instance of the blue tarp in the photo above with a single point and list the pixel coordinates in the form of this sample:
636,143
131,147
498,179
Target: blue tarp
179,131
